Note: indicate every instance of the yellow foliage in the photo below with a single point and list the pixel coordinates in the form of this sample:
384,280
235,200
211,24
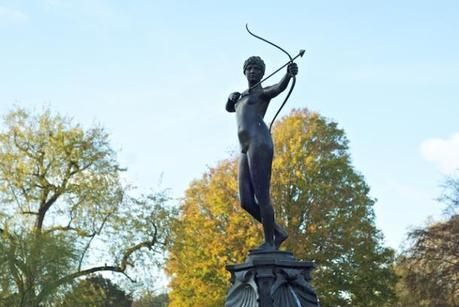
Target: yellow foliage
211,232
317,196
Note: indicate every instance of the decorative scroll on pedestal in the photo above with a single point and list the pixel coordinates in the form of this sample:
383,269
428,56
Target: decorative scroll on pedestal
271,279
244,290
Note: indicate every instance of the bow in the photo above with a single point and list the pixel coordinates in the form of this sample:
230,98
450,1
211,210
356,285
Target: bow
291,60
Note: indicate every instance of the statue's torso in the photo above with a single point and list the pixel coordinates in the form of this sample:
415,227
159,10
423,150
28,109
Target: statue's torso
250,111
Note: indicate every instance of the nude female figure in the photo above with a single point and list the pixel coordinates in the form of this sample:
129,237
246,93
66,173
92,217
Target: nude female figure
257,147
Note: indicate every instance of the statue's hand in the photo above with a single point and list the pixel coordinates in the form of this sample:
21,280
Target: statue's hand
292,69
234,97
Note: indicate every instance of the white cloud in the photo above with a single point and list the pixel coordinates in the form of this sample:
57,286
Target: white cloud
444,153
7,14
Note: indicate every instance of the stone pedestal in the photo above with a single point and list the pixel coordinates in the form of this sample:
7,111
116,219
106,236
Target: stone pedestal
271,279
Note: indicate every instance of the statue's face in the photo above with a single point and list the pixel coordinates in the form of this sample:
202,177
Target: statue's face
254,73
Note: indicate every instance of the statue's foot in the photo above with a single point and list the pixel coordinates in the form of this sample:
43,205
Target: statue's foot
267,247
280,236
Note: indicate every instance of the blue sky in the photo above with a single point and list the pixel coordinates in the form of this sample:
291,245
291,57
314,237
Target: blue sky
156,74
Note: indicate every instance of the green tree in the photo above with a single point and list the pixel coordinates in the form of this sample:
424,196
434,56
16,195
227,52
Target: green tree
28,262
61,183
150,300
318,196
97,291
429,265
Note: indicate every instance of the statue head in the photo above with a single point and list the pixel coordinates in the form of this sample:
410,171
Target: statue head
256,66
254,60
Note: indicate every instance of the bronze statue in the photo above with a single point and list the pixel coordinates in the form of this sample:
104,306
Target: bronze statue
257,147
269,277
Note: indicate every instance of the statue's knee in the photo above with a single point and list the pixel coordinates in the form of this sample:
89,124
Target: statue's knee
263,148
245,204
264,200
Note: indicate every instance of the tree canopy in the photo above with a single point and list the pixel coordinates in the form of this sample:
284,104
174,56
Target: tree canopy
429,265
97,291
29,263
62,197
320,199
151,300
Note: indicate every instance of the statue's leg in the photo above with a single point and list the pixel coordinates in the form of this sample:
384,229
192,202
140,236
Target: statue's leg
246,193
248,202
260,159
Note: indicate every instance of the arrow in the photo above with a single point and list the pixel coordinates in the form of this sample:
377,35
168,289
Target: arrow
291,60
300,54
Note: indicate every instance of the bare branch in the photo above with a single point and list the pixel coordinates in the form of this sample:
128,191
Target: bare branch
128,277
21,148
18,203
79,169
86,248
121,268
44,208
130,251
29,212
79,231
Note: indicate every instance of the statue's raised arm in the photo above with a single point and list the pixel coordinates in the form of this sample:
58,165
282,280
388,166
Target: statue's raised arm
274,90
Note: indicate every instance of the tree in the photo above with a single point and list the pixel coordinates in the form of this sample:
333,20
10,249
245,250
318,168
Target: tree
150,300
450,196
61,183
318,196
211,232
97,291
429,266
28,262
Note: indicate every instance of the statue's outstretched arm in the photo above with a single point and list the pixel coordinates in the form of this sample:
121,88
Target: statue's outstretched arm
274,90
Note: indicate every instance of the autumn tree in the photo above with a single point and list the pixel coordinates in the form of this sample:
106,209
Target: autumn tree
61,197
97,291
429,265
212,231
318,197
149,299
450,196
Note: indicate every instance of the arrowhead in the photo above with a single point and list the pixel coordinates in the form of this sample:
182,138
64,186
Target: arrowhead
302,51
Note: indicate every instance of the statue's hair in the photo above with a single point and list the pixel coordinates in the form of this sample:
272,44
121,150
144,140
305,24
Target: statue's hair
256,60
